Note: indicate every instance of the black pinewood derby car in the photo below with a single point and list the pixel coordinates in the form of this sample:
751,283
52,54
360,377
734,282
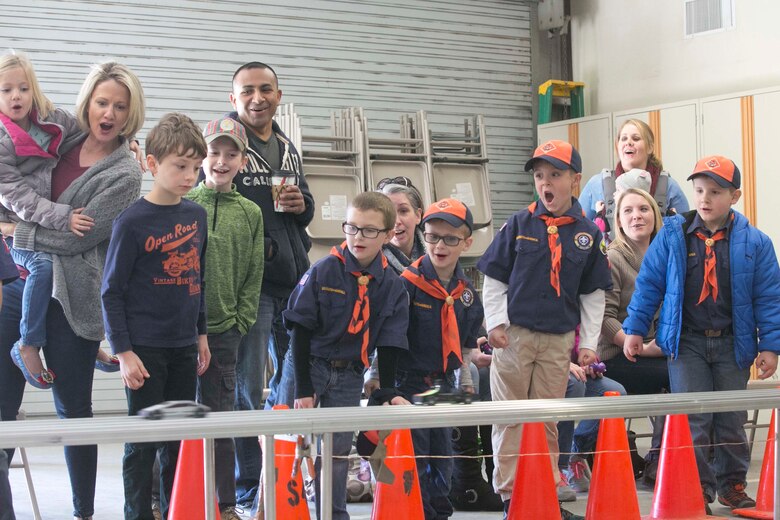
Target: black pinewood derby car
434,395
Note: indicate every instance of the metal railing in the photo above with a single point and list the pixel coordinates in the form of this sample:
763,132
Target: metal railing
326,421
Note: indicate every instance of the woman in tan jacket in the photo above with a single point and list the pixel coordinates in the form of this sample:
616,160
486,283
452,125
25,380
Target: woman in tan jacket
637,221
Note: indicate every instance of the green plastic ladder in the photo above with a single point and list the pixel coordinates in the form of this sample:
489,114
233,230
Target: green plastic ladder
556,88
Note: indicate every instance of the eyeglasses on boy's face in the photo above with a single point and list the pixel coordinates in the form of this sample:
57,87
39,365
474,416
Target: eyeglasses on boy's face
449,240
403,181
367,232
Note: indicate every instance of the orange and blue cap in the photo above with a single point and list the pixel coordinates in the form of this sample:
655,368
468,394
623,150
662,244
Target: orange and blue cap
560,154
720,169
451,211
227,127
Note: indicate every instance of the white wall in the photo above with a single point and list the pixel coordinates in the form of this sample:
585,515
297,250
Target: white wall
634,54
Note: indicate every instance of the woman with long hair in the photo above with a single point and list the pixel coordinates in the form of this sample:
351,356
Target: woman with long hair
637,222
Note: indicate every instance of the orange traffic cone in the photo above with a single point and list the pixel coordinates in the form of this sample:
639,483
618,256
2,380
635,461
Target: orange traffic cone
765,500
678,493
534,494
612,489
188,500
290,495
402,498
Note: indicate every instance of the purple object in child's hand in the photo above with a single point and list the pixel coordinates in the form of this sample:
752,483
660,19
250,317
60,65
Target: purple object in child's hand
598,368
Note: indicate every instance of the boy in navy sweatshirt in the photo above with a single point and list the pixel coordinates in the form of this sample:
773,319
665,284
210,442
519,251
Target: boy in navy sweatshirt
153,299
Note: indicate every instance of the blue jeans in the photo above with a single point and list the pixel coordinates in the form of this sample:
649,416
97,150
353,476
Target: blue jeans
435,473
704,365
37,293
217,390
336,387
285,390
278,346
583,438
481,379
172,377
73,360
264,336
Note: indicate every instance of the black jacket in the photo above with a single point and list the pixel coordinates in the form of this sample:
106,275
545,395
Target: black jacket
286,241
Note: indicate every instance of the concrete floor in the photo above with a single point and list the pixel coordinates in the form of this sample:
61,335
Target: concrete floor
53,489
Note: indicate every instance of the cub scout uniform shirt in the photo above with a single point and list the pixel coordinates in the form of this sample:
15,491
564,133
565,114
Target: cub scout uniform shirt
520,257
324,299
425,321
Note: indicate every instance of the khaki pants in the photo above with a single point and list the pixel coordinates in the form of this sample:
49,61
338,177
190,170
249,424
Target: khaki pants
535,365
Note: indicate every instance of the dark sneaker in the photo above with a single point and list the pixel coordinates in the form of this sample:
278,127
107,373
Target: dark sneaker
565,515
478,497
650,472
568,515
707,501
734,497
229,513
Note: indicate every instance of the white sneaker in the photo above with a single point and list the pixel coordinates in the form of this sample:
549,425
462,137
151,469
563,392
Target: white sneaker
565,492
578,474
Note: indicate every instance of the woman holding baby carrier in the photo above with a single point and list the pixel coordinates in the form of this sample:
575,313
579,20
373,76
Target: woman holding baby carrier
635,147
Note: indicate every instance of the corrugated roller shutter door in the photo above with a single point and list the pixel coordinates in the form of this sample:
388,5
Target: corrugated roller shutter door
452,59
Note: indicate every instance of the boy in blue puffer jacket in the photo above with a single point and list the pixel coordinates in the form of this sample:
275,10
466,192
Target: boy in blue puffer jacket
719,281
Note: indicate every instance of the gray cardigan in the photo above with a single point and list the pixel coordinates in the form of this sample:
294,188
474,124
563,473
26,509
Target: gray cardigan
104,190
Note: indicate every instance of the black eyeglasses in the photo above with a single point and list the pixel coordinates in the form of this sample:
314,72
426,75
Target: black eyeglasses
450,240
367,232
403,181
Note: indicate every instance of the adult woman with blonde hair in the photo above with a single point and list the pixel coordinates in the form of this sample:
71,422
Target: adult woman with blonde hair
637,222
635,147
100,175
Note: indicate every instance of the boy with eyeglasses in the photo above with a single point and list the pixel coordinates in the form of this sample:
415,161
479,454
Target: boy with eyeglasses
347,305
445,315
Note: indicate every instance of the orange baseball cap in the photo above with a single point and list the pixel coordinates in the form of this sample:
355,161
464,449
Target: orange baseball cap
720,169
451,211
560,154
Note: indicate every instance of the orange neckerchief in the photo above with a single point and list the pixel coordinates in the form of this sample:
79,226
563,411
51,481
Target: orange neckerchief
450,336
362,311
710,284
554,243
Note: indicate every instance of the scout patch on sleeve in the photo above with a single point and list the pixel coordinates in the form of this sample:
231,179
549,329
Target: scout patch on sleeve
603,246
467,298
583,241
304,278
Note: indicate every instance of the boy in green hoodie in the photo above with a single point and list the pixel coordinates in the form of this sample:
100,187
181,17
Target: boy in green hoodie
234,273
